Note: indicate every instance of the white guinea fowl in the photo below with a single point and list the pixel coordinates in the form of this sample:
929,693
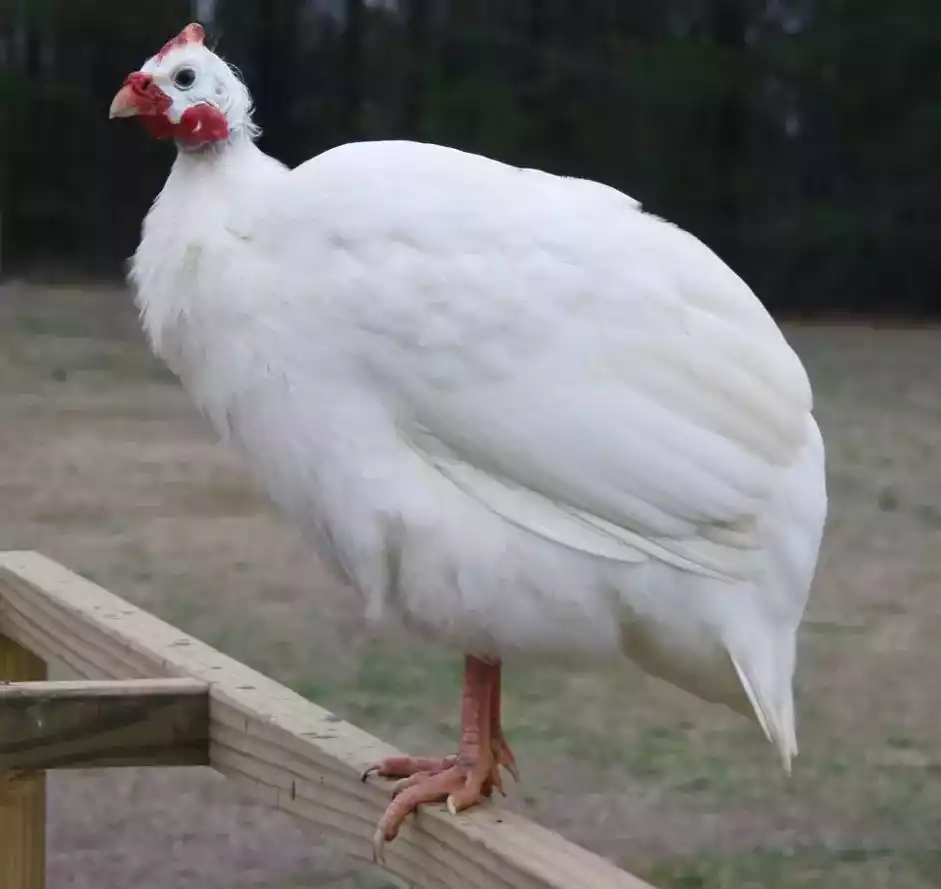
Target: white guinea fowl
518,412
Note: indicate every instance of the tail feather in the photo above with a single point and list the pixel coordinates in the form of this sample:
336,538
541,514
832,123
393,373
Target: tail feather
773,703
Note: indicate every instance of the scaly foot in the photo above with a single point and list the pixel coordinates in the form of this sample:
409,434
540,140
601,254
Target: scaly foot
452,780
462,780
406,766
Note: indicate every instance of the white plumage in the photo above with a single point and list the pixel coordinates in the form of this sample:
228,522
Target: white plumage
518,411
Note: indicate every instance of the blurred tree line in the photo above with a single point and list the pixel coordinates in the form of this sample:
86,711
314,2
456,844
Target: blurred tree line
801,139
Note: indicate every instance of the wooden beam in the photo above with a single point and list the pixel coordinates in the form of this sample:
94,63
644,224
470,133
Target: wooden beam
67,725
284,750
23,797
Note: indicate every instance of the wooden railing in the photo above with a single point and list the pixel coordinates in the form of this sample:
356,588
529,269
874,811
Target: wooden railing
158,697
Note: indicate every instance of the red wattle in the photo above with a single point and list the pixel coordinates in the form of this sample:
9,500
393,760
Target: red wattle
197,125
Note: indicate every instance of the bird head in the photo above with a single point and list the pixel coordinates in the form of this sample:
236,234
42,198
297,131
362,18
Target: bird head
187,93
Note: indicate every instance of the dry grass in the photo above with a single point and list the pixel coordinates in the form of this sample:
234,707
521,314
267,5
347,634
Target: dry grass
105,467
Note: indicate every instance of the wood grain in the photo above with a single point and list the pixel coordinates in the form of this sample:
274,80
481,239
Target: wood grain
284,750
22,797
142,722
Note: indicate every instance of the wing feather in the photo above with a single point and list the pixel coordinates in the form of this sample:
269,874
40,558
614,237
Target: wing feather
585,370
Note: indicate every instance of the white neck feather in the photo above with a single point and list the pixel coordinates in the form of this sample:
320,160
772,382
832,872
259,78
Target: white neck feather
196,224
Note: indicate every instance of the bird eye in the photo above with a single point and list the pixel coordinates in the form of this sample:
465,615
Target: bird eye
184,78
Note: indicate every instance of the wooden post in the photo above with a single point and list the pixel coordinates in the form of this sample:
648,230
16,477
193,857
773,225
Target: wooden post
271,743
22,797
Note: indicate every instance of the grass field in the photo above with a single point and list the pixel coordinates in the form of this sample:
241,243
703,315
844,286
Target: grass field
105,467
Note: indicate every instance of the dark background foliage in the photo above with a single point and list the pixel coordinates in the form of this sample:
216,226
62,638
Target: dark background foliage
799,138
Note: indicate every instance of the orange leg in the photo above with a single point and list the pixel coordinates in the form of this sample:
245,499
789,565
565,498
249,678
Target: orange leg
501,749
458,780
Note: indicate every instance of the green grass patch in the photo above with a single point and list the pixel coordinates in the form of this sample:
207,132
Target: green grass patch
851,868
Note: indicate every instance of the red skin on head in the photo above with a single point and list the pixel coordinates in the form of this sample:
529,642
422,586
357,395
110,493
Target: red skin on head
192,33
197,125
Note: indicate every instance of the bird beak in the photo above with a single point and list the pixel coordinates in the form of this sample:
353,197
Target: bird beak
139,96
125,104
